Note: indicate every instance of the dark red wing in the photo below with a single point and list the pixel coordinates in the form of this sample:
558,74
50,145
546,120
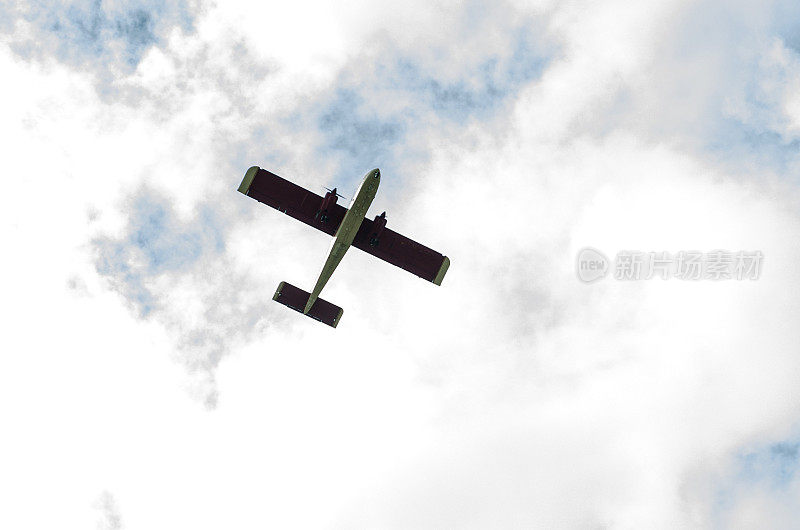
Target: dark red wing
291,199
403,252
304,206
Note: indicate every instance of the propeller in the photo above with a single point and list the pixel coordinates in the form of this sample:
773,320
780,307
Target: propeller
334,191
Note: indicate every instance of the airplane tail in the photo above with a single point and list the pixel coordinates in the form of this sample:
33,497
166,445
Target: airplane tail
296,298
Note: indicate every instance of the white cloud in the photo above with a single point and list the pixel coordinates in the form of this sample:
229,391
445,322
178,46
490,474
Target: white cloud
110,518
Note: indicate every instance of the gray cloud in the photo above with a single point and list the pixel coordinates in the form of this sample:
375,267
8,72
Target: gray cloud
110,518
384,102
108,39
155,243
177,272
365,141
713,80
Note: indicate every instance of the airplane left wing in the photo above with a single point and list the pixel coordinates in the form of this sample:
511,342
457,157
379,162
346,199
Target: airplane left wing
293,200
374,238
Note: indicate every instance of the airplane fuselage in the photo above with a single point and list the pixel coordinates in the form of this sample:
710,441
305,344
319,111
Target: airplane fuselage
347,230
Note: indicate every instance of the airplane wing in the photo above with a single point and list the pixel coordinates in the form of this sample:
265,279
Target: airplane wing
293,200
401,251
373,237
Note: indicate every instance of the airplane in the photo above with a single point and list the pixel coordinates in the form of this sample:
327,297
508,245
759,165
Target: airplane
349,227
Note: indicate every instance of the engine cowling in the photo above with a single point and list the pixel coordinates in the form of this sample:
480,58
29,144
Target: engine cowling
378,226
327,204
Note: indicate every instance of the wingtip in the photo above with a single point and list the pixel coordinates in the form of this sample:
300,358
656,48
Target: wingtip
244,187
338,318
442,271
278,291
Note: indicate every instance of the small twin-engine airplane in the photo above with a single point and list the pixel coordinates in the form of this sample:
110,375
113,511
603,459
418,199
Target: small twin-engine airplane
348,227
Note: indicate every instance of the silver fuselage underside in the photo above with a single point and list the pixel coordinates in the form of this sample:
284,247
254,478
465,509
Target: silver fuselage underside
347,230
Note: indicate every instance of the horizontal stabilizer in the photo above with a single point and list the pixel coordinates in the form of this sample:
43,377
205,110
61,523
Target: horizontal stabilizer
296,298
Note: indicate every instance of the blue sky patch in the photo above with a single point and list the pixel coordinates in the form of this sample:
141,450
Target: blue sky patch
358,129
770,468
98,34
155,242
775,464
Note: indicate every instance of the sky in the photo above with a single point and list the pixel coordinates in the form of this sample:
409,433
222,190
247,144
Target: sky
148,381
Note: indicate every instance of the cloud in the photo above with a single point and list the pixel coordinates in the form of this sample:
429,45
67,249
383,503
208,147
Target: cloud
172,238
156,243
177,272
110,518
497,146
92,34
385,101
759,486
509,138
710,78
579,175
364,141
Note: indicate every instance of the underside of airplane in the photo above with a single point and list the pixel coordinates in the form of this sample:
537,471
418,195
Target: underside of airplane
349,227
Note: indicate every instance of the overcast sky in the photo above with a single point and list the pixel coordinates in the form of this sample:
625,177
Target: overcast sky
148,381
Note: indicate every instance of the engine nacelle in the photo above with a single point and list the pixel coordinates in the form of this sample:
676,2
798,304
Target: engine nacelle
378,226
327,203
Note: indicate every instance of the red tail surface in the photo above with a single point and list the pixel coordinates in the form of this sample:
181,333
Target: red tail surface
296,298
